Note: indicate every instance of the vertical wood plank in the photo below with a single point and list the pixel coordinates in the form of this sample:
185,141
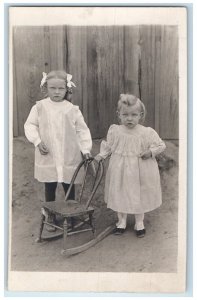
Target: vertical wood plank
29,50
105,76
92,79
168,83
131,58
53,48
117,71
84,70
158,77
46,43
77,65
56,47
147,43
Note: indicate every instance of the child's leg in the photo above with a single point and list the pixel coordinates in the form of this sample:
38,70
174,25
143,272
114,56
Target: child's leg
139,222
50,188
72,192
122,220
121,225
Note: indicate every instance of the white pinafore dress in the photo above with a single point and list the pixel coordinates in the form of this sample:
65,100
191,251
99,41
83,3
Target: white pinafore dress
60,125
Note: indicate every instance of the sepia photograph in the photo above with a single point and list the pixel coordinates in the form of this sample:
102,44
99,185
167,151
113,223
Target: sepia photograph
97,149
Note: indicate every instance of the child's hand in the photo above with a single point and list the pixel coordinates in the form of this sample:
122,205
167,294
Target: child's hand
87,156
146,154
43,149
98,157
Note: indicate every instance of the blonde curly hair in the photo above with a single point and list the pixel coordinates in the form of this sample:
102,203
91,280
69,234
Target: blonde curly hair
130,100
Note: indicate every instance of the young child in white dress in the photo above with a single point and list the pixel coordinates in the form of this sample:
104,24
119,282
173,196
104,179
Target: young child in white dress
59,133
132,183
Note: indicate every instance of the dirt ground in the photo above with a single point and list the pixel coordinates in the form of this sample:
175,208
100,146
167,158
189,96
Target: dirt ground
156,252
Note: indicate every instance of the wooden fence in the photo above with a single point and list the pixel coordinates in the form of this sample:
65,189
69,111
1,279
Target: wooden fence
104,61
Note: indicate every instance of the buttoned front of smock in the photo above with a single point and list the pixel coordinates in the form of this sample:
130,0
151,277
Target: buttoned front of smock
61,127
132,184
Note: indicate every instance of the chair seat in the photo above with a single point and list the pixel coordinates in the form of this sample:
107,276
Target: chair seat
67,208
72,216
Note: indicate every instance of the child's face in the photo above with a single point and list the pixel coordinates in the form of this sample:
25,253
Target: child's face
56,89
130,115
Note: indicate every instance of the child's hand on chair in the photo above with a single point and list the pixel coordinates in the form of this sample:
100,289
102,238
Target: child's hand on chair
98,157
87,156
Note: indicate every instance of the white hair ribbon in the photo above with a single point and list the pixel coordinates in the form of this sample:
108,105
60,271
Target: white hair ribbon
44,77
69,82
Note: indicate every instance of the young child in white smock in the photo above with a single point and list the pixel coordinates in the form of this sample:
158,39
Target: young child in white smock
132,183
59,133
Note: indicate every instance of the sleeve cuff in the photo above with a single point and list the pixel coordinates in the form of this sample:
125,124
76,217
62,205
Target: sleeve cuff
37,142
85,151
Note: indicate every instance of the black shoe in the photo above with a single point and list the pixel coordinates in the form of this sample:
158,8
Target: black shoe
140,233
118,231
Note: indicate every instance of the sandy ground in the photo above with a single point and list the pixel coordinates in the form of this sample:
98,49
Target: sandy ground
156,252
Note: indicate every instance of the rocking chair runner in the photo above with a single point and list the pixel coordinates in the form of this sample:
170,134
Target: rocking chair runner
70,209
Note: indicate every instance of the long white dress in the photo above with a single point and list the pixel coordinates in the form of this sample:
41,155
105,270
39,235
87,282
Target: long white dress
132,184
61,126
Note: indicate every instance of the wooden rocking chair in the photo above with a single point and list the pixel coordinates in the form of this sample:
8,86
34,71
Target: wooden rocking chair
71,209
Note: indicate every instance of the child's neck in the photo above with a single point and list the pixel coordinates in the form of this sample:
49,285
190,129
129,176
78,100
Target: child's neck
127,127
59,101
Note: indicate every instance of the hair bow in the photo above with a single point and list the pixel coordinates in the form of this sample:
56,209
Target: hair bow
69,82
44,77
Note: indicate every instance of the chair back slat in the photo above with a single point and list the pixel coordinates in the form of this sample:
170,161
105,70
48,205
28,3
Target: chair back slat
97,180
73,178
98,177
84,181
